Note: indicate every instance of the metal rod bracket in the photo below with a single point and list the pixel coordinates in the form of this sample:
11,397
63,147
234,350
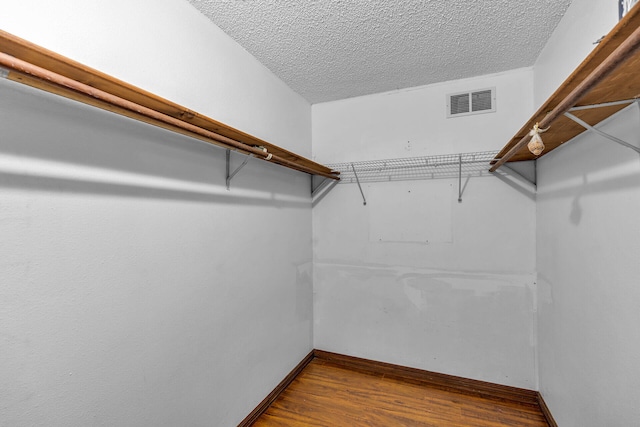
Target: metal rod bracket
533,182
601,133
232,174
460,178
364,200
322,190
315,189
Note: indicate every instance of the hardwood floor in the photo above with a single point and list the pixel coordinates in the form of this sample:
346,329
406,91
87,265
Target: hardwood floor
328,394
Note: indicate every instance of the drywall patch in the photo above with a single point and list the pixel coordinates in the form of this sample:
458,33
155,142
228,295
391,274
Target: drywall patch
418,287
415,213
473,324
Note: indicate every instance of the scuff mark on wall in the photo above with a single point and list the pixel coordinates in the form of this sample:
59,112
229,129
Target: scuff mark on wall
545,290
304,291
475,324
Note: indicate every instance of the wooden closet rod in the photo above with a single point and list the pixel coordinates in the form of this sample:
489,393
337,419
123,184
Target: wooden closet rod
25,72
617,57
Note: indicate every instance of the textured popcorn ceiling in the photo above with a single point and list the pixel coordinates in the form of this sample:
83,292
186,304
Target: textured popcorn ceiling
334,49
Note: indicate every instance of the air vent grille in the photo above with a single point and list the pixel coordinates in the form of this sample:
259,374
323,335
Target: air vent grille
459,104
481,101
464,104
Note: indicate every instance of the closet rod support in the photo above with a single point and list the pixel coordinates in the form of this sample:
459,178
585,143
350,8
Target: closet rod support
232,174
599,132
533,182
315,189
364,200
322,190
460,178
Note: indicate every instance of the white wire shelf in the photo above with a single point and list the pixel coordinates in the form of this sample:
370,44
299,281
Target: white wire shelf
414,168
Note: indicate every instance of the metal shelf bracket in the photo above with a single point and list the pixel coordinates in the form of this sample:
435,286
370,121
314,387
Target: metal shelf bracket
460,178
232,174
531,180
320,190
601,133
364,200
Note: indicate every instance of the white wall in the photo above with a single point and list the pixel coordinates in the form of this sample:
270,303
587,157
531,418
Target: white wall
462,303
135,289
412,122
588,199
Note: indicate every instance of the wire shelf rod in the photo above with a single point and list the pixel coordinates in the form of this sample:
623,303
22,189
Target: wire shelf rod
413,168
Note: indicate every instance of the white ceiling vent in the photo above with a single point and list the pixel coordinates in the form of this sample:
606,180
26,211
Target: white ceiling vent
467,103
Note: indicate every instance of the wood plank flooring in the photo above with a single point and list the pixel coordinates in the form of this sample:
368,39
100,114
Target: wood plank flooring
327,394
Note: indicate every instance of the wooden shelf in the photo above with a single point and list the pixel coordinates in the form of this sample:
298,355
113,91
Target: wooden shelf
33,65
622,83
